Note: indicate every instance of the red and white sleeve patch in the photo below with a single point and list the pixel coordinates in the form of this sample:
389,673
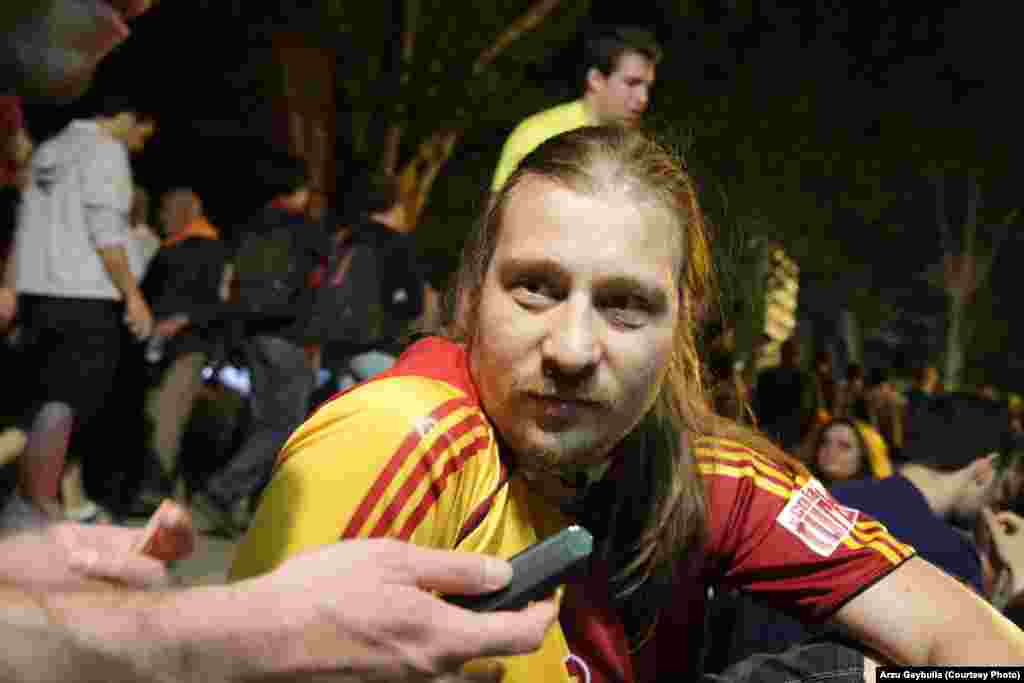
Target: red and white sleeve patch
814,517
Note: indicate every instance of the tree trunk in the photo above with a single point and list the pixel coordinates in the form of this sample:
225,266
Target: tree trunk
421,171
407,14
954,344
532,18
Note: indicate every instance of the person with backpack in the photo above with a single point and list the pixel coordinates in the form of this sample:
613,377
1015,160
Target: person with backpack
278,254
374,287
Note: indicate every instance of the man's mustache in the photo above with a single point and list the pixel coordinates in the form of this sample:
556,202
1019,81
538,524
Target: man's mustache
562,391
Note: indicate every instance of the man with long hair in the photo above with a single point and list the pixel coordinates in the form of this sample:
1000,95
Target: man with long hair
567,389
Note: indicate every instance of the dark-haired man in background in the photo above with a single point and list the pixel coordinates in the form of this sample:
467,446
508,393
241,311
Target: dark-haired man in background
618,75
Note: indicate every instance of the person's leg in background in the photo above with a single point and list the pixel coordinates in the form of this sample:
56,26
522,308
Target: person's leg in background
168,407
76,346
282,383
42,463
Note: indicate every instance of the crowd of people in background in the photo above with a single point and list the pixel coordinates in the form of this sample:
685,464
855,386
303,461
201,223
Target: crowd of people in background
296,303
123,319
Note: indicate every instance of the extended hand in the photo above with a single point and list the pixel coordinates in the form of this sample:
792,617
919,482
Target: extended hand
1008,543
372,606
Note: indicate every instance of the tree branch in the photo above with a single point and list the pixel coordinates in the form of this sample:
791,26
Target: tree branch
409,13
945,234
971,218
524,24
998,237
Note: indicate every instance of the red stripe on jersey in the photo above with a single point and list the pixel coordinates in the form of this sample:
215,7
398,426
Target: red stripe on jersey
477,516
422,471
436,487
408,445
763,469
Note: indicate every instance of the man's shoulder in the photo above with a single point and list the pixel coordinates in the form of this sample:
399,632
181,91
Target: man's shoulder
552,121
408,418
430,379
715,455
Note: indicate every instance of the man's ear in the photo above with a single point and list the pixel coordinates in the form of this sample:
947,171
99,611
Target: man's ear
595,79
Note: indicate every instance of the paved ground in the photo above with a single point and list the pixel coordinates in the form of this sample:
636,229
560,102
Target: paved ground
209,562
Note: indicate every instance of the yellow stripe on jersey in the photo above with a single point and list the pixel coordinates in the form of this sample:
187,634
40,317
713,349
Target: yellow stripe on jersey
747,471
764,474
879,538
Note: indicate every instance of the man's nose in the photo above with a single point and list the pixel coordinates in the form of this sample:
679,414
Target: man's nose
572,346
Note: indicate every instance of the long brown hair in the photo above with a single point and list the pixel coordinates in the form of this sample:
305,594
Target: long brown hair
599,161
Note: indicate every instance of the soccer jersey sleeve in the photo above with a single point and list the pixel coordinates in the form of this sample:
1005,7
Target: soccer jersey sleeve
402,457
776,532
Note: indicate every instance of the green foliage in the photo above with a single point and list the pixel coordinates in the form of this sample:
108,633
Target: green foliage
442,89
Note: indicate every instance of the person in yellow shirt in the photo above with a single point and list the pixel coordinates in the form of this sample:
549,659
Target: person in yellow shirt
618,75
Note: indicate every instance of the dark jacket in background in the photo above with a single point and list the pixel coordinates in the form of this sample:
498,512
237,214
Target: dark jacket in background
312,248
186,278
400,269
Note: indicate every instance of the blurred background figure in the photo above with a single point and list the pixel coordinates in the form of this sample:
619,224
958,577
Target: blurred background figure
144,239
886,407
75,289
382,292
840,452
785,400
187,285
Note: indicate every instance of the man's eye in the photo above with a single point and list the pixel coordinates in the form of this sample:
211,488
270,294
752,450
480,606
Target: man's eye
532,291
628,310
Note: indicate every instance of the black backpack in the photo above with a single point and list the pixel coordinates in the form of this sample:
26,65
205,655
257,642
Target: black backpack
269,269
355,303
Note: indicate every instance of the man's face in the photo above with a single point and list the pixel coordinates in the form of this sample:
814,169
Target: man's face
576,322
51,47
622,96
139,133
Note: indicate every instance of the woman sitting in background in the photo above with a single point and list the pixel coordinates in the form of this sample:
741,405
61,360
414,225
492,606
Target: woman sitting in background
843,449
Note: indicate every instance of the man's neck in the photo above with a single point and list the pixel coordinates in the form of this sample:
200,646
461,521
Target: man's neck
108,127
590,109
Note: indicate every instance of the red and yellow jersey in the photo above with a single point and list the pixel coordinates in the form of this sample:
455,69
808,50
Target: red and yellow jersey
775,532
408,455
411,455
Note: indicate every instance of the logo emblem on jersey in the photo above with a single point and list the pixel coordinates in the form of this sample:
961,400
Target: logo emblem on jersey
814,517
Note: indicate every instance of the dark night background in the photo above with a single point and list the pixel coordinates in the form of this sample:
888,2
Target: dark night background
815,119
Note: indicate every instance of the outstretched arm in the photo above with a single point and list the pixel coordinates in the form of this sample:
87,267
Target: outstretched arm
321,612
919,615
